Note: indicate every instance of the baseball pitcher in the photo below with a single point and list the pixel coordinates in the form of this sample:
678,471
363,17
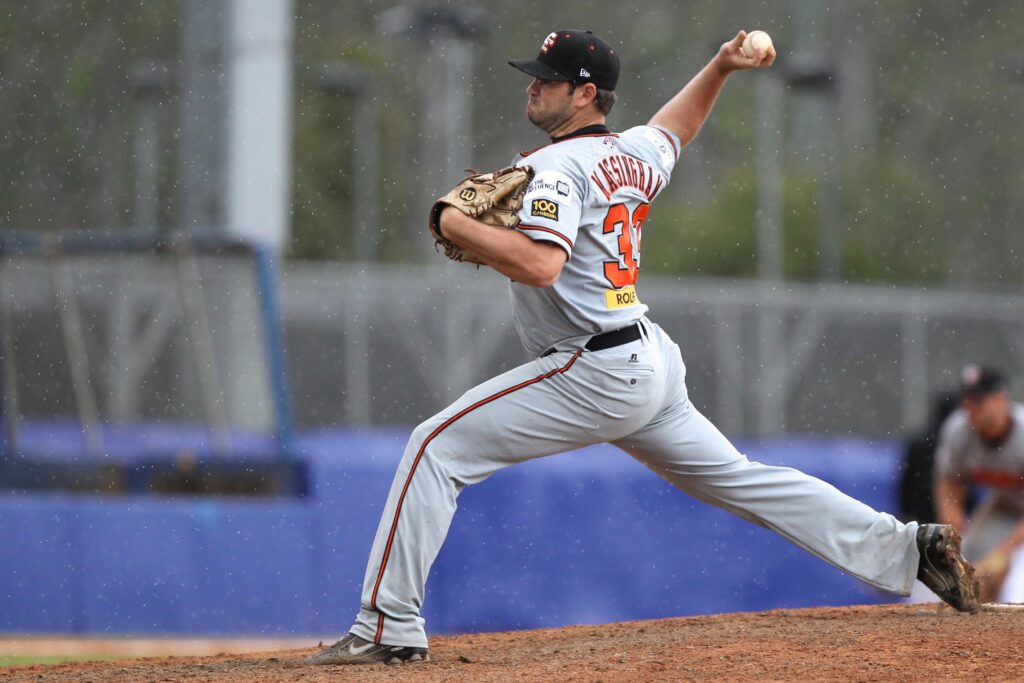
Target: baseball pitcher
602,370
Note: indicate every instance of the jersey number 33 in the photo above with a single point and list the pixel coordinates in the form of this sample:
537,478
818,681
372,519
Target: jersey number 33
622,272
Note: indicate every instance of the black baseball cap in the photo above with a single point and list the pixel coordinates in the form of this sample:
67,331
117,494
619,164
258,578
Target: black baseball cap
574,56
977,381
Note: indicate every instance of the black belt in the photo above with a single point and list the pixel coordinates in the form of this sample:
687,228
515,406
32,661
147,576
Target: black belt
607,340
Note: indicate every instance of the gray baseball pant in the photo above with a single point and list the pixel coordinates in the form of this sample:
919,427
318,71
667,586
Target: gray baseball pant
633,396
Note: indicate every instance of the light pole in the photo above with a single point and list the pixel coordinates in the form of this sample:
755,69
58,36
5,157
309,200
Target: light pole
151,82
770,98
811,78
804,78
450,35
347,79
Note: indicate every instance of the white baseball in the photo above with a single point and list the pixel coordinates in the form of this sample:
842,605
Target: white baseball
756,41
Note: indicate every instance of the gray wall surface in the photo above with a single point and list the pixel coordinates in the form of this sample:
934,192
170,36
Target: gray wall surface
395,344
177,341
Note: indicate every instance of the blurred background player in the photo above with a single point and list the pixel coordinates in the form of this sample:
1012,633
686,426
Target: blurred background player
982,443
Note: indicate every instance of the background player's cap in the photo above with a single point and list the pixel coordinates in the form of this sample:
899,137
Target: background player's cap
977,381
574,56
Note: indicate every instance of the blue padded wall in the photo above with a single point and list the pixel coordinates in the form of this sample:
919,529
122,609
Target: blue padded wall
585,537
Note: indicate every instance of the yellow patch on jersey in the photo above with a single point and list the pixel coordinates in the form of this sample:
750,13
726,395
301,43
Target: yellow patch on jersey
545,208
621,298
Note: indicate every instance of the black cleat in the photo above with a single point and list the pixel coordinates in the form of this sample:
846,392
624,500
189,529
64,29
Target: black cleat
943,568
352,649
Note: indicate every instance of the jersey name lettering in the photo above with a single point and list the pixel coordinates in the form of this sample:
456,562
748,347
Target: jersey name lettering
618,170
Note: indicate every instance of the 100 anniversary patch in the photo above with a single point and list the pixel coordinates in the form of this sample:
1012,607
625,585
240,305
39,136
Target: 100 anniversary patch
544,208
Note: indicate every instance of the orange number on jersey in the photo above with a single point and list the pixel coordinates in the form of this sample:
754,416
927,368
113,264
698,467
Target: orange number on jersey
618,221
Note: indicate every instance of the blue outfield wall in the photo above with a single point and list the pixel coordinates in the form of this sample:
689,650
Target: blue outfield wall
585,537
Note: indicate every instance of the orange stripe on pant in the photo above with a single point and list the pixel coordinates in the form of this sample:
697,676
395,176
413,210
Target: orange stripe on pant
416,461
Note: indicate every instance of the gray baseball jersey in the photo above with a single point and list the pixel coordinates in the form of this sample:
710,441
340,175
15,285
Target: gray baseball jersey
590,196
962,452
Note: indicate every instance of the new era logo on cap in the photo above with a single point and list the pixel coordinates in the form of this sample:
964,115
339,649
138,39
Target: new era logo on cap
575,56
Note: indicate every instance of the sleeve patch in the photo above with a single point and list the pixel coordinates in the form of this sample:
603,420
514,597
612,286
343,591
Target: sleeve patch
550,184
666,148
544,208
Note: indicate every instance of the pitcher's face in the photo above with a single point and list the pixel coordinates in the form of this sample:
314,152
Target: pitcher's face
549,103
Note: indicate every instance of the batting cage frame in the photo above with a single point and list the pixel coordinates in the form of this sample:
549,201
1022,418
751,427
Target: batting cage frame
157,355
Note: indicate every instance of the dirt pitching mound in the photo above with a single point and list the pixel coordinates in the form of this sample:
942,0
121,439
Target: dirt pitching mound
873,643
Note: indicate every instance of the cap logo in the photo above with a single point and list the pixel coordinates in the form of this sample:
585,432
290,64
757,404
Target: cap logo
549,42
584,73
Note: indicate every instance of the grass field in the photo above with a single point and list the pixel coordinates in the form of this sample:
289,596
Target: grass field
22,660
21,650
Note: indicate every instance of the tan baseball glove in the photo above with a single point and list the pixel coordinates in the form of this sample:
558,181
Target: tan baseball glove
491,198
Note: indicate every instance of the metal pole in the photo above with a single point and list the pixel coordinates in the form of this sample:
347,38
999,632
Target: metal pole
449,33
357,343
456,123
914,366
773,359
151,81
831,237
200,334
814,129
770,172
8,371
341,78
273,335
256,114
770,409
366,176
203,139
77,354
728,354
146,167
448,120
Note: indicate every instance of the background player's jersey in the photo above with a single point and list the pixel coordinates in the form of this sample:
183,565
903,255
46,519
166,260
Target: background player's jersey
590,196
961,451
